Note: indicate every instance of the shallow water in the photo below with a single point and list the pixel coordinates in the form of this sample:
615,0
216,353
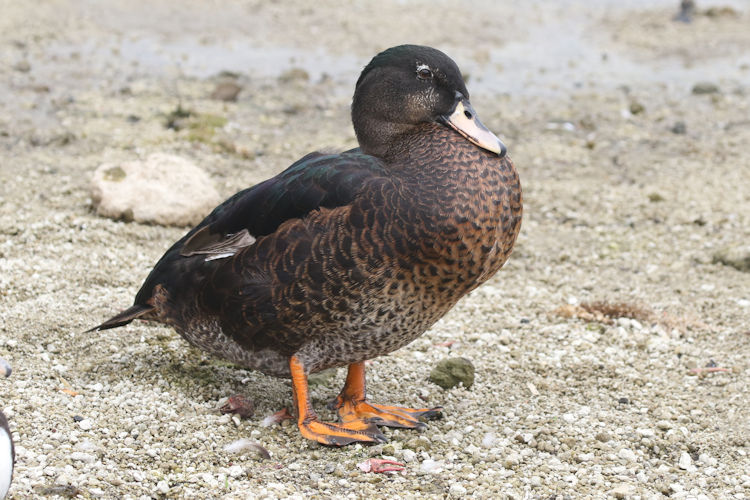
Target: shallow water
560,49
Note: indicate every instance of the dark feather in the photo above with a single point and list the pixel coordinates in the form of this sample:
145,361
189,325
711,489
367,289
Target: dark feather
214,246
313,182
125,317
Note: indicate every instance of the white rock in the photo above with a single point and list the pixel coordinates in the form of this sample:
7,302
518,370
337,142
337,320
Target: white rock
456,490
409,456
627,455
512,460
79,456
489,440
623,491
686,462
646,432
431,466
162,487
164,189
664,425
623,322
85,424
708,460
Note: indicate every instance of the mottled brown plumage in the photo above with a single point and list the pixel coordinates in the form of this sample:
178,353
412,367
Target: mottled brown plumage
346,257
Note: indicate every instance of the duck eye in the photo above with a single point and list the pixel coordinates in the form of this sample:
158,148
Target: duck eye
424,73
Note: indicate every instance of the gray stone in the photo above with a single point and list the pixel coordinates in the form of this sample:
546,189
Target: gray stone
705,88
226,91
163,189
448,373
737,256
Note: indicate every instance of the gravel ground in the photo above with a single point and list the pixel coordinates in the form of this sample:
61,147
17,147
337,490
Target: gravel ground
611,352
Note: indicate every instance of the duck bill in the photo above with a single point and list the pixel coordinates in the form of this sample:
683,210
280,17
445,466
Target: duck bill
465,121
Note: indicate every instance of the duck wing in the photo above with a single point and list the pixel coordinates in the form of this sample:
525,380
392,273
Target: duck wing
315,181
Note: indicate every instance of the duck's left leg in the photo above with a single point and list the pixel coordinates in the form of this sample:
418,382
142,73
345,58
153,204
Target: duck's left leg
352,405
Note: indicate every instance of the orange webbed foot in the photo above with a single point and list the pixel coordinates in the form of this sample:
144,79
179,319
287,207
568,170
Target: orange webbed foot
333,434
389,416
352,405
328,433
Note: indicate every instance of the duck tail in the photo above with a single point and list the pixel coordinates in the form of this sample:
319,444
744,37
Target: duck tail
125,317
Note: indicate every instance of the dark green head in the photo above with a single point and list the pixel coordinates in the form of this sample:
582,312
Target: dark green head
405,86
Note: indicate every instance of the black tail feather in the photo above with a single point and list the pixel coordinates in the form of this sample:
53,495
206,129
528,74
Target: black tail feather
125,317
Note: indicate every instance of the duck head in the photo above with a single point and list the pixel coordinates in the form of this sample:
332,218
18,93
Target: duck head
403,88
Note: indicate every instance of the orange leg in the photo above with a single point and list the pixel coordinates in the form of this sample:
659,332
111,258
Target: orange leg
352,405
356,430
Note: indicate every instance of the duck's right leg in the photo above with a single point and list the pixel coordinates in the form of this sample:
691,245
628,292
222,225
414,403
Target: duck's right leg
329,433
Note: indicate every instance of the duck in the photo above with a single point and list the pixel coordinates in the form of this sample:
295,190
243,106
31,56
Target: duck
7,450
344,257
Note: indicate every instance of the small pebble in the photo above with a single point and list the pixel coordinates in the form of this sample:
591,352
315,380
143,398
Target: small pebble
85,424
512,460
705,88
686,462
162,487
489,440
636,108
456,490
663,425
627,455
603,437
623,491
430,466
226,91
679,128
82,457
707,460
450,372
22,66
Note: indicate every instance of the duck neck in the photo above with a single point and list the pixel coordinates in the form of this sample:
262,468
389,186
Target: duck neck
376,137
432,153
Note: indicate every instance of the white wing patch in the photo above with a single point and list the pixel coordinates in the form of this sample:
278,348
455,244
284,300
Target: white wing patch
219,256
216,246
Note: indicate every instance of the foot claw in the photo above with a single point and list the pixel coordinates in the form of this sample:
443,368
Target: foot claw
389,416
342,434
